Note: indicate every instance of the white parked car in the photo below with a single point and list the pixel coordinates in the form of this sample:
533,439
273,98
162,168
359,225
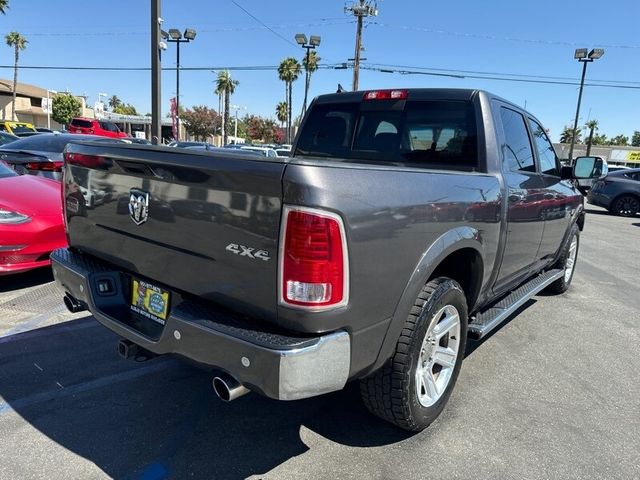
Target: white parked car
267,152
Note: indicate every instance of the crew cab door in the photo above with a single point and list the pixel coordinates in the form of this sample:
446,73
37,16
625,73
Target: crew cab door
525,199
559,198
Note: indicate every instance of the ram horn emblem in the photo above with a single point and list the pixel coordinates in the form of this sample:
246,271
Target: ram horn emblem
138,206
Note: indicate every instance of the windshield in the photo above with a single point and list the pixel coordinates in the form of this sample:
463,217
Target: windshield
45,142
5,171
7,138
78,122
21,128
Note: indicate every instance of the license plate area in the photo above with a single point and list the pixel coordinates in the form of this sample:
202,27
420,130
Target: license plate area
149,301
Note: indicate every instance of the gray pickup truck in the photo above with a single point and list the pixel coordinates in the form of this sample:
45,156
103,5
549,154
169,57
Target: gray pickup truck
404,221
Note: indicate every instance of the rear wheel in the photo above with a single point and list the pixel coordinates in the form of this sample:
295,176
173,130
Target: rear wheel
413,387
626,205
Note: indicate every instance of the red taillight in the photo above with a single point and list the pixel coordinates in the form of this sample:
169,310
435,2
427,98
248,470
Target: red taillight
45,166
386,95
313,263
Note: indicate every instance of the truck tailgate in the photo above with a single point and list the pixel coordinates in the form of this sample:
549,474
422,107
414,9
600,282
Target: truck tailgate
201,223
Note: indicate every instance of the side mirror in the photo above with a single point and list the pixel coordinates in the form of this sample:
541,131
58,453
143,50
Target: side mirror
589,168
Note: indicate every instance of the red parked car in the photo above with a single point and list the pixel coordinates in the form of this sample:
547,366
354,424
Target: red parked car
31,224
91,126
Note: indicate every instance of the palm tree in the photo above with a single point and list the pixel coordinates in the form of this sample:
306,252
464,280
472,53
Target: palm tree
310,63
281,112
114,102
18,42
289,71
227,86
4,5
592,125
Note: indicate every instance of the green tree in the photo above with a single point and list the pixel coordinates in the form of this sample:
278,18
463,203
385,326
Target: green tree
226,85
114,102
565,136
64,107
600,139
281,112
4,5
127,109
200,121
310,65
621,140
289,71
592,125
635,139
17,42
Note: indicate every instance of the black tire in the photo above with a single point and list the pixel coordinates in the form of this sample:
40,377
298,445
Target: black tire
391,392
625,206
562,284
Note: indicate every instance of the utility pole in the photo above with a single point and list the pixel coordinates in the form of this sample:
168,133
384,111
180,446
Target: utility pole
361,9
157,45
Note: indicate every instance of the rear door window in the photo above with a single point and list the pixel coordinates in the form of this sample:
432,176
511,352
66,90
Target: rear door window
423,133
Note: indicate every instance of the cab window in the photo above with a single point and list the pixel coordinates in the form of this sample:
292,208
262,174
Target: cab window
546,154
517,151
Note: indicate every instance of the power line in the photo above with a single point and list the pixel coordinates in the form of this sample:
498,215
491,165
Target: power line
496,37
263,24
545,77
460,74
505,79
229,28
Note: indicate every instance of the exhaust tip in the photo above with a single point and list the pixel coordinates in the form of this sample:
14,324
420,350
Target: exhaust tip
228,388
73,305
222,389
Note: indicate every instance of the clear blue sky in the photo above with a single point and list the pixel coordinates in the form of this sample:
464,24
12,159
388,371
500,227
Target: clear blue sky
505,36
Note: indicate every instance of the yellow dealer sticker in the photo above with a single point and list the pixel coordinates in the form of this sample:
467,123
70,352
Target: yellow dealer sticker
149,301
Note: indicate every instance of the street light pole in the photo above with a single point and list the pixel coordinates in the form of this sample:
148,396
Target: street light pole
49,107
235,133
175,36
156,56
314,41
178,90
582,56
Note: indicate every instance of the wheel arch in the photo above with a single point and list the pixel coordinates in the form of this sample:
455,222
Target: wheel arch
457,254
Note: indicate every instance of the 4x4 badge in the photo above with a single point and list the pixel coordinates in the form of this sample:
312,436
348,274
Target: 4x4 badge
138,206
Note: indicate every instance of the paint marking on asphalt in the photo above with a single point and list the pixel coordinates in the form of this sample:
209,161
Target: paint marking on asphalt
38,367
52,395
71,325
35,321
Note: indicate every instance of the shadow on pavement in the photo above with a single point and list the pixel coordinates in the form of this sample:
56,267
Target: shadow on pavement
31,278
158,419
636,224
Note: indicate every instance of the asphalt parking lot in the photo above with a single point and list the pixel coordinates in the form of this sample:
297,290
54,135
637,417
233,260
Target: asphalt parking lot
554,393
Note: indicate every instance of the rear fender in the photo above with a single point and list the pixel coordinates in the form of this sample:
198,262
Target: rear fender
445,245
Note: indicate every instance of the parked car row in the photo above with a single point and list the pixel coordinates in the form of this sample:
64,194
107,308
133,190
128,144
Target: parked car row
31,224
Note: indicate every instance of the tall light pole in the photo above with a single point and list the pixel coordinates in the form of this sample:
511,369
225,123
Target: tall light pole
49,107
156,56
314,41
176,37
235,133
582,56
